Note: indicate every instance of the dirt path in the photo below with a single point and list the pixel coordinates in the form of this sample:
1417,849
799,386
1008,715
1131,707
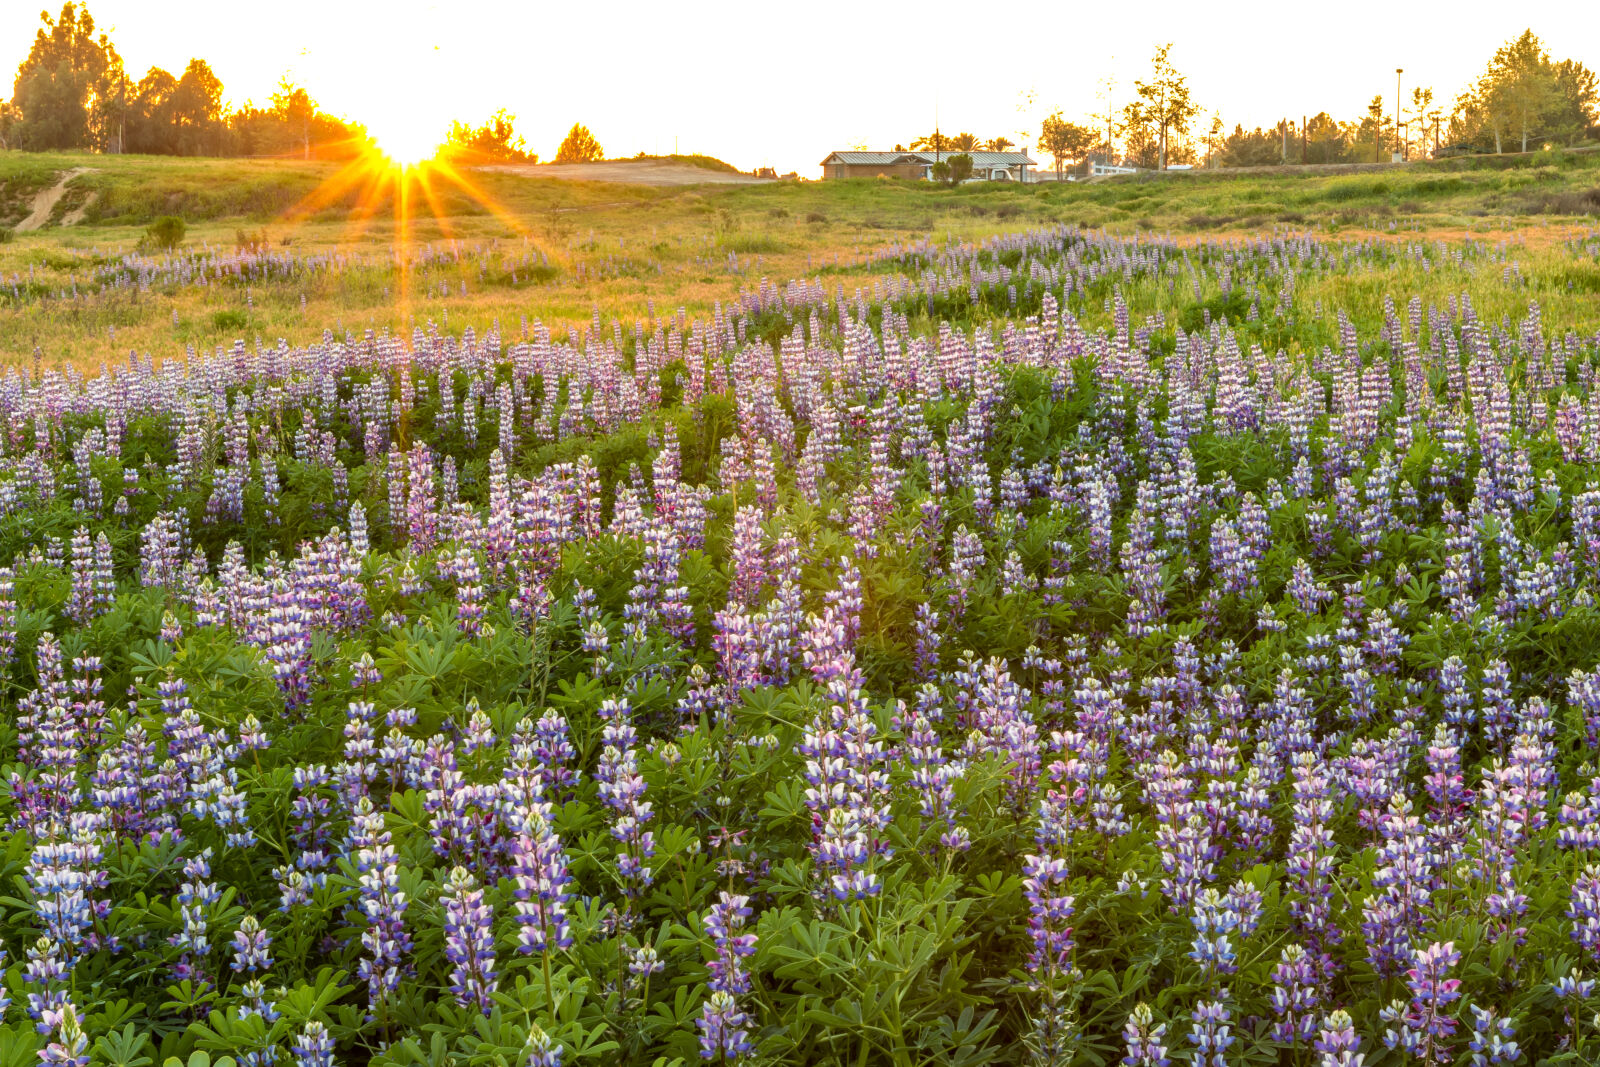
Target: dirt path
642,173
45,201
75,216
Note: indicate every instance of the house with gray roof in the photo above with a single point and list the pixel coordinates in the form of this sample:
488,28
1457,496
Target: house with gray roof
986,166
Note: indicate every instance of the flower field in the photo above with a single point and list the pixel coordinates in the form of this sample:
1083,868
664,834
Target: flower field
1057,649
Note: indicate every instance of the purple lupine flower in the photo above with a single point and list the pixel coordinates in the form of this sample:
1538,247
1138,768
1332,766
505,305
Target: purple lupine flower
1492,1038
1212,1034
252,946
622,789
196,897
314,1046
1213,920
1143,1037
71,1045
1049,911
1337,1042
1422,1029
1294,996
724,1026
1584,910
540,1050
468,940
381,902
43,977
539,872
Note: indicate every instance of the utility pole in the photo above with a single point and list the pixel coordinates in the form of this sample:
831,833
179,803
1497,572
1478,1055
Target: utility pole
1397,72
1304,142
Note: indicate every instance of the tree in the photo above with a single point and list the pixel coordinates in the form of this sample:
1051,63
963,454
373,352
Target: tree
1214,137
1327,141
496,141
197,110
1164,106
1418,115
579,146
149,120
960,168
62,83
997,144
1574,118
1372,125
1523,84
295,109
1065,140
934,142
1252,148
1522,95
963,142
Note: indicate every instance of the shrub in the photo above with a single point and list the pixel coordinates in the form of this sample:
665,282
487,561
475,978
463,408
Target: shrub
5,235
166,233
245,241
230,319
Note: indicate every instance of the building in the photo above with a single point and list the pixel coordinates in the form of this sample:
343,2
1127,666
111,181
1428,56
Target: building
986,166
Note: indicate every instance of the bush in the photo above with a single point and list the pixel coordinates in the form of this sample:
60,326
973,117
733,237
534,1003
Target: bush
5,235
231,319
245,241
166,233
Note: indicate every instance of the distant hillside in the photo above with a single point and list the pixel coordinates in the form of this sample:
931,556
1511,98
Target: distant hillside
1473,194
703,162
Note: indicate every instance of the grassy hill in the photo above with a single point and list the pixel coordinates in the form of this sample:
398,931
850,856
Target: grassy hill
510,247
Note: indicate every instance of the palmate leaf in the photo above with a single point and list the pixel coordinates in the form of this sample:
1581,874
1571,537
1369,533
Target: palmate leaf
200,1059
123,1048
19,1046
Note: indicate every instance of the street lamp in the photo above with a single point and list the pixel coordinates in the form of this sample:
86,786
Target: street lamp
1397,72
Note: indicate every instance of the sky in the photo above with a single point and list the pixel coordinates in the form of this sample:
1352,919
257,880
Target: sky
782,85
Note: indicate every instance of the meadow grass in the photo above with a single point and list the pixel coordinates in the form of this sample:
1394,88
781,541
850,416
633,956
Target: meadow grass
640,252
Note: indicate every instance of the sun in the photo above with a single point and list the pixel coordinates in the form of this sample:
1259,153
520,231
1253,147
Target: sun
403,140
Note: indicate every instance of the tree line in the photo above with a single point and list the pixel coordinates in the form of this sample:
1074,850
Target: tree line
74,92
1522,100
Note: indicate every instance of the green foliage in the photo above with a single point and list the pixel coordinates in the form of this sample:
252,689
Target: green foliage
495,141
165,233
579,146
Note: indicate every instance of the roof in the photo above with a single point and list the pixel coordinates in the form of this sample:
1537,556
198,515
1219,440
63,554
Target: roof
882,159
993,159
872,158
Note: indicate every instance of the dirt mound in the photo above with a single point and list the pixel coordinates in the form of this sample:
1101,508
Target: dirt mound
630,173
45,201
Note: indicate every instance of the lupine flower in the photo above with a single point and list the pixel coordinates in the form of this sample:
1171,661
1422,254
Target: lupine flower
1423,1028
469,940
539,871
1491,1041
724,1027
1143,1037
1337,1042
314,1047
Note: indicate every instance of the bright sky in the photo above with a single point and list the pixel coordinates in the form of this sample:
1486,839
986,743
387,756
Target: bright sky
781,85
